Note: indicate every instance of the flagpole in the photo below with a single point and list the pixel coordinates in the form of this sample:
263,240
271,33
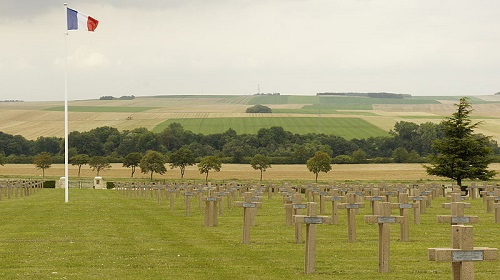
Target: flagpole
66,146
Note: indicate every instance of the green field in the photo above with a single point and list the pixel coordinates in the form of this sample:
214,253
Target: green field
337,126
104,234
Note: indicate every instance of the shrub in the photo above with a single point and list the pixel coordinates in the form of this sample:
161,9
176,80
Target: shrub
259,109
49,184
110,185
343,159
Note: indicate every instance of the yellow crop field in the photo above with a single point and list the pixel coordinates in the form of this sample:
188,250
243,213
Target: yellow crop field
407,172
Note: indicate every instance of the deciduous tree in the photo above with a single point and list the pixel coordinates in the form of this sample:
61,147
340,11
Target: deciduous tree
42,161
98,163
153,162
209,163
320,162
79,160
132,160
260,162
182,159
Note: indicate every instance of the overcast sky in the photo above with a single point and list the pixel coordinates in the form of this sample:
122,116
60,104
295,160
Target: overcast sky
158,47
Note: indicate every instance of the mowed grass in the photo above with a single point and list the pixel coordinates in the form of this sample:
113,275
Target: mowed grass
105,234
345,127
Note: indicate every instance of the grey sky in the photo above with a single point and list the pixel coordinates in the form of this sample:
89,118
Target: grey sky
422,47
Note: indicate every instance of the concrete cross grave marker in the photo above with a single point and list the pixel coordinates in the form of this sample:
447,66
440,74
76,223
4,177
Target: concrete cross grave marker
297,205
389,194
352,208
422,202
171,195
288,210
211,210
457,217
187,199
248,214
496,206
473,191
311,220
404,210
462,253
488,191
322,201
490,198
335,198
383,219
375,198
457,214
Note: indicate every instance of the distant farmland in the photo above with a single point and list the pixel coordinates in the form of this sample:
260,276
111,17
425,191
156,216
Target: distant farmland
337,126
346,116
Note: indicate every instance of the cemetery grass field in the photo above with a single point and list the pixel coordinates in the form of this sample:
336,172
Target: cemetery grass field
107,234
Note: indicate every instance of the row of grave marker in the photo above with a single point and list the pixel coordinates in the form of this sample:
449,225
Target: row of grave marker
381,215
18,188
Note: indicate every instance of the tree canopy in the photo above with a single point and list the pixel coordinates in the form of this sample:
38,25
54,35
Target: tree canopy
182,159
42,161
99,163
153,162
132,160
259,109
209,163
79,160
260,162
320,162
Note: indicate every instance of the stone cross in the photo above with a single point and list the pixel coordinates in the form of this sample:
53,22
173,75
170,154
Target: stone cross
389,194
490,198
249,213
404,210
462,253
496,206
375,198
171,195
335,199
187,200
457,214
383,219
422,202
488,191
211,210
352,208
322,201
311,220
473,191
288,210
297,205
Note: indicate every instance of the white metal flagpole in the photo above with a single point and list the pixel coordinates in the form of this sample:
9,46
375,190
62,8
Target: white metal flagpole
66,179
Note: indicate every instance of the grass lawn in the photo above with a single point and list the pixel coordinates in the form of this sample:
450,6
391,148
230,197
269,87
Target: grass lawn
105,234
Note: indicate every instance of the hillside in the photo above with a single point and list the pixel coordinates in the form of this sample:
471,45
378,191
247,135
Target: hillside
337,114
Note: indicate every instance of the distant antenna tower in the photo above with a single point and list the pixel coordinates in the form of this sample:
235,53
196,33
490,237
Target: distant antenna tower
258,89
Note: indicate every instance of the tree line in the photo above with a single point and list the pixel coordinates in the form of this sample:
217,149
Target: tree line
451,147
408,142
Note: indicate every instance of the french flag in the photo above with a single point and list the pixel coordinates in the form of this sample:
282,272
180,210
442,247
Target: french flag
79,21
